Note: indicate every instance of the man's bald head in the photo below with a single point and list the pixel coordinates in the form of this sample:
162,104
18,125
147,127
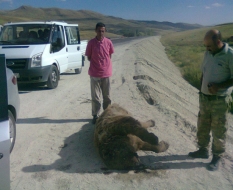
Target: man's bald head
213,41
213,34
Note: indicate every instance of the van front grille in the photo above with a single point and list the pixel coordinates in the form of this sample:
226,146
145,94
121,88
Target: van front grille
14,64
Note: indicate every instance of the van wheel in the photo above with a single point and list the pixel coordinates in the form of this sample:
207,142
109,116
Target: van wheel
78,71
12,129
53,78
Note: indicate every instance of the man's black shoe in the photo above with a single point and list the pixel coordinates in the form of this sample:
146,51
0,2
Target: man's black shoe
201,153
214,164
95,117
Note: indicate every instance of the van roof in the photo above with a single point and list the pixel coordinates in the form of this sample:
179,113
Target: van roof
39,22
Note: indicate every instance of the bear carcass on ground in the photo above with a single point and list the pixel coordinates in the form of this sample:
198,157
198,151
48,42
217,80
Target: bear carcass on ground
118,137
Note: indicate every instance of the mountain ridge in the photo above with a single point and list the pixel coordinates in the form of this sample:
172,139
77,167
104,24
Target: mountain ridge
87,20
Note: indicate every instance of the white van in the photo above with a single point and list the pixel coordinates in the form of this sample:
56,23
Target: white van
38,52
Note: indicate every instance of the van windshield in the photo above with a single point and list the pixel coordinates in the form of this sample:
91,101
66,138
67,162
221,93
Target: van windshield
23,34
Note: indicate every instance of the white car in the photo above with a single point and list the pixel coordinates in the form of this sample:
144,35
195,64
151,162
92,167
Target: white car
13,104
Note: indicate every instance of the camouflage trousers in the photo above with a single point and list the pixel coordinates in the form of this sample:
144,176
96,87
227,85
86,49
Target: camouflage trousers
212,118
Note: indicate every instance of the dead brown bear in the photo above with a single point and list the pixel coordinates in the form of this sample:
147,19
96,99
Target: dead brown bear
118,136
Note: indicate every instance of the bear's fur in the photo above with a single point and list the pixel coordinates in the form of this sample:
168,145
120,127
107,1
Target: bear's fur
118,136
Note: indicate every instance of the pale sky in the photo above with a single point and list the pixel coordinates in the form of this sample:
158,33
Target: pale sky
204,12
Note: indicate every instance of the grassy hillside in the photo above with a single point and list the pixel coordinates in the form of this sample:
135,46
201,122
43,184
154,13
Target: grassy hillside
87,20
186,50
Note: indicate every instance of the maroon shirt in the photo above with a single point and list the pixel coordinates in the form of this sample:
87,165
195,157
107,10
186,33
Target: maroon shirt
100,53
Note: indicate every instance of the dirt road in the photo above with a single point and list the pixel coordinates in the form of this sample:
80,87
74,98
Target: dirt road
54,147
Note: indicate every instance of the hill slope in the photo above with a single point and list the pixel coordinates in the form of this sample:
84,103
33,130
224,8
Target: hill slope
87,20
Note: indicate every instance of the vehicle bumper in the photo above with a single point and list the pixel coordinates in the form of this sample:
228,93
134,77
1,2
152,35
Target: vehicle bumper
33,75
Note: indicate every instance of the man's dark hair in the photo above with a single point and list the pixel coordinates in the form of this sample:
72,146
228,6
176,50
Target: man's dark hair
99,24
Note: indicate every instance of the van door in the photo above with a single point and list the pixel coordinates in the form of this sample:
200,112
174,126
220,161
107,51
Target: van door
4,129
73,45
58,49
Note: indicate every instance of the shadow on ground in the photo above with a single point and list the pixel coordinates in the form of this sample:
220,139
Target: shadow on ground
26,88
78,155
40,120
69,73
171,162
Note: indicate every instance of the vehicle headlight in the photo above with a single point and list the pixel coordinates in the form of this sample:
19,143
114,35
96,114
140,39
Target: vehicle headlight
36,60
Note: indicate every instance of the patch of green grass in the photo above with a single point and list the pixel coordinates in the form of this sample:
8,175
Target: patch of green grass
185,49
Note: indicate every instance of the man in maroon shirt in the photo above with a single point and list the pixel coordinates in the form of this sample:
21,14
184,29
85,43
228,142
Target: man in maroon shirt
98,52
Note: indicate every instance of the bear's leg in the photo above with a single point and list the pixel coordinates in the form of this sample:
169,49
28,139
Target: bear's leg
147,124
144,135
128,125
124,125
138,144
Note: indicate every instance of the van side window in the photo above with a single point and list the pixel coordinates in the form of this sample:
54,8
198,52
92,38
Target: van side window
58,40
72,35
